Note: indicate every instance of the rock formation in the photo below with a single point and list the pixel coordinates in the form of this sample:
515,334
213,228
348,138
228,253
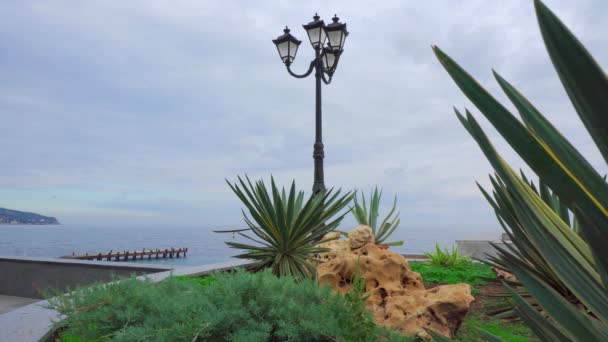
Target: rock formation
398,297
501,274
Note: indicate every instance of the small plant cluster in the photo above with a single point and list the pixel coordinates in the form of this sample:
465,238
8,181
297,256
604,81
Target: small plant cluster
233,307
447,257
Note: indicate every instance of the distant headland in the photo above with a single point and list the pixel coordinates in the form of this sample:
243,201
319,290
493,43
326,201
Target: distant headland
8,216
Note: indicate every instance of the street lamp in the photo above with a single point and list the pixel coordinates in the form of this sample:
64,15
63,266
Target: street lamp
324,65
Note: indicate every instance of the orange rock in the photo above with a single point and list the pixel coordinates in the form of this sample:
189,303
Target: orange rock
397,298
361,236
500,274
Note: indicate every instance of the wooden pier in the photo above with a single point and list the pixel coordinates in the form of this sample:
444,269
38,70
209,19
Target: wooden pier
131,255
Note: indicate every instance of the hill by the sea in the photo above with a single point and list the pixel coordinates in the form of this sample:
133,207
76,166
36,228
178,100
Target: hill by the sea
8,216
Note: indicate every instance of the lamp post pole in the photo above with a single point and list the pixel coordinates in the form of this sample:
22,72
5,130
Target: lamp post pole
325,63
318,154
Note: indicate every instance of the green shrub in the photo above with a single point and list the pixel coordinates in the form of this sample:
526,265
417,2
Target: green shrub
235,307
447,258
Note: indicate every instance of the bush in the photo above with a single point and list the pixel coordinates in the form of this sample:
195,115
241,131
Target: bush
235,307
447,258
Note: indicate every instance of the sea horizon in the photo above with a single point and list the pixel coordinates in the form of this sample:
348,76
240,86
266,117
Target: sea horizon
204,246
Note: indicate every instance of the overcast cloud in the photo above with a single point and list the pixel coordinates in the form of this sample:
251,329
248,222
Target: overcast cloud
136,111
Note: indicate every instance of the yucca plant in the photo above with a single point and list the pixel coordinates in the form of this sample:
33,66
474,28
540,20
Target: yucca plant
449,258
369,217
285,228
578,260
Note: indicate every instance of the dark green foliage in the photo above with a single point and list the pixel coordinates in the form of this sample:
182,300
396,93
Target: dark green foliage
356,298
286,230
447,258
235,307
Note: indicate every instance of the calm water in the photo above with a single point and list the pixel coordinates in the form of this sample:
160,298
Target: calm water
203,245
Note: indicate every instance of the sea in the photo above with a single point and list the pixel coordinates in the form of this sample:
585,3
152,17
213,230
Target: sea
204,246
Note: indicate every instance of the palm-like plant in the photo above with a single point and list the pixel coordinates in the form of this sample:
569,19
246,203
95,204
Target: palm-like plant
286,229
369,217
551,257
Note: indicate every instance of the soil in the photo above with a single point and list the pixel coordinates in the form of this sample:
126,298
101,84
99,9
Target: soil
55,335
487,296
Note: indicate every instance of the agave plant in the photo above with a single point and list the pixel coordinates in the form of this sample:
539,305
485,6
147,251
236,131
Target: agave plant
285,228
369,217
551,257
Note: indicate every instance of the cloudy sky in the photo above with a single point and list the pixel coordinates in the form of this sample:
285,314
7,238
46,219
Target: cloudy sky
136,111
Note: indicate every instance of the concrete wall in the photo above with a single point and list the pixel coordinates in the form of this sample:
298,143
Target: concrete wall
29,277
479,249
34,322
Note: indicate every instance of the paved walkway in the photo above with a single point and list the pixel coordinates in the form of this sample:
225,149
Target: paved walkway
10,303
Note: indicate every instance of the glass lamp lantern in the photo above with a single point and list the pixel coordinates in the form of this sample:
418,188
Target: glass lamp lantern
316,32
330,60
287,46
336,34
328,43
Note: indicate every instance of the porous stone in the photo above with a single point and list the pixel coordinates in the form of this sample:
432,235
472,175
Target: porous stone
501,274
360,236
398,298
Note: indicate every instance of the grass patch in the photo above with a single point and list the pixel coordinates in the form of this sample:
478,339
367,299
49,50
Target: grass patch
468,272
508,331
201,281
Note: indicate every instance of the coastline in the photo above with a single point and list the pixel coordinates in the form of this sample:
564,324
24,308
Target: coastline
30,224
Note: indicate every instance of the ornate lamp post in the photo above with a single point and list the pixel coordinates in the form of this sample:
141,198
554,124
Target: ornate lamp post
324,65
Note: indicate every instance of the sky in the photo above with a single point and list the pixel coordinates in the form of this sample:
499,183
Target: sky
137,111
